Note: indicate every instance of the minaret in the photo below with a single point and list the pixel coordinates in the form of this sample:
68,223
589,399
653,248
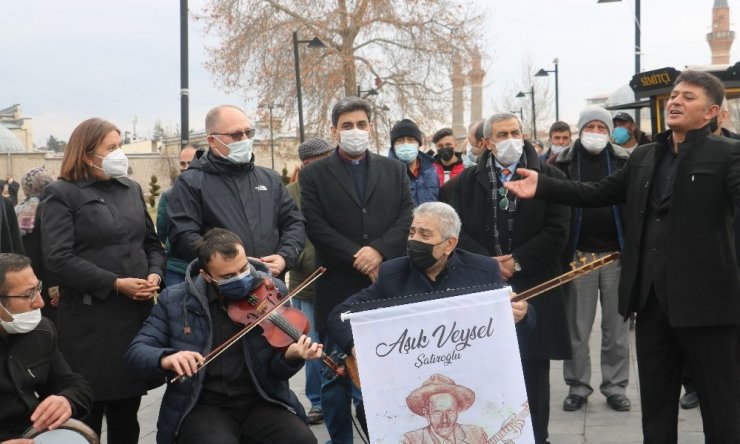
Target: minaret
458,107
720,39
476,76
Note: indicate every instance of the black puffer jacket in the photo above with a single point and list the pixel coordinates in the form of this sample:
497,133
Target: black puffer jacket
181,320
249,200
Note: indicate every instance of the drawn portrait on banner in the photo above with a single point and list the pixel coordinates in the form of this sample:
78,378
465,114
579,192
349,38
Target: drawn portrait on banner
445,370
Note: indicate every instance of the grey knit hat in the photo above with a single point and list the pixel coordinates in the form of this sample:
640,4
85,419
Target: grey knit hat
594,112
312,148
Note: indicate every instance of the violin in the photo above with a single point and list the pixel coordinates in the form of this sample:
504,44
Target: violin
282,327
268,307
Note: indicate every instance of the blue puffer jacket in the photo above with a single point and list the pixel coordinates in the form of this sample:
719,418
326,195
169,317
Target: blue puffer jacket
424,188
181,321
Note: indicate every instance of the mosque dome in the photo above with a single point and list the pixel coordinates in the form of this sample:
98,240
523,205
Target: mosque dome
9,143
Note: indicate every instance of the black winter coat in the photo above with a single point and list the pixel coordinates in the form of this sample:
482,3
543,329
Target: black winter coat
31,363
539,236
339,224
94,232
701,262
248,200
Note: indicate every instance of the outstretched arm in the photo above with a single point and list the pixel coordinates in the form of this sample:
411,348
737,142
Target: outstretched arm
526,186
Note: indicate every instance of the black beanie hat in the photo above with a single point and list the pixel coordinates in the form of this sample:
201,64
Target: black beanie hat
405,127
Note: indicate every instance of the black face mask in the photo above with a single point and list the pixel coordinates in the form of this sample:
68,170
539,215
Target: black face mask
421,254
446,153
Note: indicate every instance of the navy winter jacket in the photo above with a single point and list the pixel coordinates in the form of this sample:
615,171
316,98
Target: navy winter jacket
180,321
425,187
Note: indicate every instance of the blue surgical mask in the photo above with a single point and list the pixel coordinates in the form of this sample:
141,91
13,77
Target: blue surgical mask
240,152
236,287
407,152
620,135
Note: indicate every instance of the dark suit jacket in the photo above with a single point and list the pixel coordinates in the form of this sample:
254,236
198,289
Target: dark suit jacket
339,224
701,263
540,234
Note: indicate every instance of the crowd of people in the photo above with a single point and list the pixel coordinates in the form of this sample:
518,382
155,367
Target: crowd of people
129,305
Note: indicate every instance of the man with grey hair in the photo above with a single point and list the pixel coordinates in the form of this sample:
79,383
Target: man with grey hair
433,264
526,239
225,189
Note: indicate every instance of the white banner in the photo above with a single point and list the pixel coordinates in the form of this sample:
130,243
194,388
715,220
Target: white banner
445,370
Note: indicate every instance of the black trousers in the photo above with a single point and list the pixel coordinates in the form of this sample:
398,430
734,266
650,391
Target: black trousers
257,422
121,417
710,355
537,381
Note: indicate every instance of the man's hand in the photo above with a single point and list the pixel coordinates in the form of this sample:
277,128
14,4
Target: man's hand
182,363
275,263
506,265
525,187
304,349
51,413
519,309
367,259
513,428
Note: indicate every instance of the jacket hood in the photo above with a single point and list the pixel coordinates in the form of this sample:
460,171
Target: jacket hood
198,286
213,163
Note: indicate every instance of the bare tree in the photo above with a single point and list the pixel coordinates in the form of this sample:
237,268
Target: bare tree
543,98
403,49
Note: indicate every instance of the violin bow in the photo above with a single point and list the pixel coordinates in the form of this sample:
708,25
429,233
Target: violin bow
247,328
566,277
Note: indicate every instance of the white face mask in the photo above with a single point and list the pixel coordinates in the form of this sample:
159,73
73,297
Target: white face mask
469,159
22,322
557,149
509,151
407,152
115,164
240,152
354,142
594,142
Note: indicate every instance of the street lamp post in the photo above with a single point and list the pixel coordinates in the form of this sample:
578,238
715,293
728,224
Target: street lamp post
313,43
184,91
544,73
369,92
520,112
534,114
638,50
270,106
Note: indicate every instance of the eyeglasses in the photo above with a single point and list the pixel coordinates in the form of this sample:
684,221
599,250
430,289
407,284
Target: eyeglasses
30,296
503,203
239,134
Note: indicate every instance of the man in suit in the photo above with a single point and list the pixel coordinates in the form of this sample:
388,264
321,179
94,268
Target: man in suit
357,207
679,270
526,239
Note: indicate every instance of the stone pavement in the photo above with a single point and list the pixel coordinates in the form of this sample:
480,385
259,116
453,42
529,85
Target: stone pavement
596,423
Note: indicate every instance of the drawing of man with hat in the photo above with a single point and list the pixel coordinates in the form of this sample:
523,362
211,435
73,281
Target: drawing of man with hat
440,401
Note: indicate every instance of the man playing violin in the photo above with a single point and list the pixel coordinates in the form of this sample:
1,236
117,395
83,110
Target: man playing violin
433,264
244,392
37,387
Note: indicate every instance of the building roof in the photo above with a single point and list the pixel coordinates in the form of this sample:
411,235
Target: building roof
9,143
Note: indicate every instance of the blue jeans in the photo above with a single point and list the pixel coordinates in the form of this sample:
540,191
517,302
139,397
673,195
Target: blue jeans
172,278
313,367
337,395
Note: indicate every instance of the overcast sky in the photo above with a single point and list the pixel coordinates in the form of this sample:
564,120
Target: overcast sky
65,61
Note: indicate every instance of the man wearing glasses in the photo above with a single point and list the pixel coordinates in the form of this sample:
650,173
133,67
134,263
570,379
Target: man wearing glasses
37,387
526,238
224,188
